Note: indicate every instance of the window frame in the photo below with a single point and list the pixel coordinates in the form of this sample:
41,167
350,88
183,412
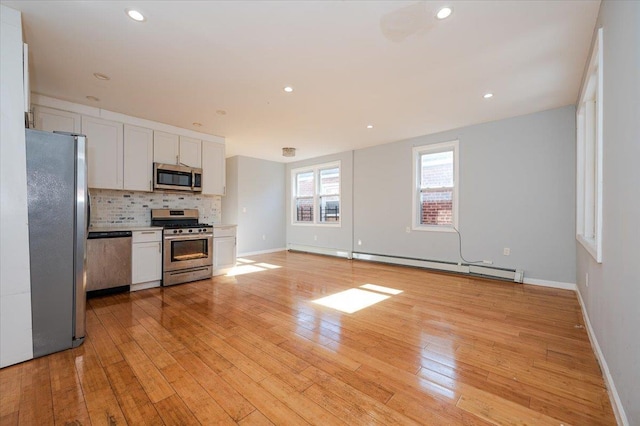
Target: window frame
589,154
316,169
418,151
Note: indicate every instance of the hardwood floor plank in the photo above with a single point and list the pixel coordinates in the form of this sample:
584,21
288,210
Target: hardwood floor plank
379,412
134,402
153,382
255,349
274,409
10,387
103,408
231,400
36,404
175,413
500,411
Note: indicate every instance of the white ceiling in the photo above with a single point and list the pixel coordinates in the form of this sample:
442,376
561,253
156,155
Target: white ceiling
352,63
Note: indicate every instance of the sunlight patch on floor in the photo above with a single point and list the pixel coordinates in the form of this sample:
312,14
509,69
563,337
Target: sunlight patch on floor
248,269
352,300
242,260
381,289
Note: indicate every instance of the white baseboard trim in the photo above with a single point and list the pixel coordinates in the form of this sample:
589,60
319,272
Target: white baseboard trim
346,254
618,409
253,253
552,284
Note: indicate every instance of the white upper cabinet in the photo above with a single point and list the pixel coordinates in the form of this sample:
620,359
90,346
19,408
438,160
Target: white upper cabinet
165,148
174,149
190,152
138,158
213,168
104,152
52,120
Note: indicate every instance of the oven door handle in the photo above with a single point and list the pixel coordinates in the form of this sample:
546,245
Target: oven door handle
188,237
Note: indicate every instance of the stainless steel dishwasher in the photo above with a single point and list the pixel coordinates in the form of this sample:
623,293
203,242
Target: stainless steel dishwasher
108,259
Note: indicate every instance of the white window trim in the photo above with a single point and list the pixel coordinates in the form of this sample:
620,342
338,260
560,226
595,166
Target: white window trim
433,148
316,196
593,244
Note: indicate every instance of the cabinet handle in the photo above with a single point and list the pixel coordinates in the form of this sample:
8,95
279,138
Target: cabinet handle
160,248
150,187
177,162
148,232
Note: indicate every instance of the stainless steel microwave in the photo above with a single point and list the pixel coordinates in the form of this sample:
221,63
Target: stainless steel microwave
177,177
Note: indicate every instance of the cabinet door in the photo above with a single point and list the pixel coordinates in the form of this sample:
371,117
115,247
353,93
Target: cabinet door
105,159
190,152
146,262
224,252
213,168
138,158
165,148
52,120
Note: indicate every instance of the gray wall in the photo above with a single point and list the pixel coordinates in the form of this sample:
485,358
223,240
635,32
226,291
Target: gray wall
255,202
517,190
338,238
613,297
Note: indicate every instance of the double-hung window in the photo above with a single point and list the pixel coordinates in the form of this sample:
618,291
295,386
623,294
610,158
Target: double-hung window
316,194
435,187
589,156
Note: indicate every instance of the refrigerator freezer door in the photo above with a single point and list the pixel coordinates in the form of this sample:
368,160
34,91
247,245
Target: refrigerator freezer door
51,195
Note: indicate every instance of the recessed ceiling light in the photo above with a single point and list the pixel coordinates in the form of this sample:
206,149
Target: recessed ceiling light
101,76
195,123
488,95
93,98
221,112
288,89
135,15
444,12
370,126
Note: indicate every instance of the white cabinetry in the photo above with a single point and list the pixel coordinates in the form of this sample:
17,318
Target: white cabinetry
51,120
190,152
165,148
138,158
104,152
213,168
224,249
174,149
146,259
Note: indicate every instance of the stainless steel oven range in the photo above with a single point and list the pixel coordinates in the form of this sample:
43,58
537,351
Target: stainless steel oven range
187,246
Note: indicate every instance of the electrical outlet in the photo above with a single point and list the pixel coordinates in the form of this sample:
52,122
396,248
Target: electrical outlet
586,279
264,237
359,242
315,238
244,210
506,251
407,230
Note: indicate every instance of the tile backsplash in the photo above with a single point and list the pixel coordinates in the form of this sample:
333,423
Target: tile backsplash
133,208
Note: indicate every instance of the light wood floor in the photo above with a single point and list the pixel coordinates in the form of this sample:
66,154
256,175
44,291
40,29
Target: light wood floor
253,349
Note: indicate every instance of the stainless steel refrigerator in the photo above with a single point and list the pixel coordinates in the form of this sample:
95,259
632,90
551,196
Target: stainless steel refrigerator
57,196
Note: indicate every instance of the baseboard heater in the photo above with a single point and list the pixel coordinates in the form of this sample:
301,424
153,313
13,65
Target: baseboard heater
320,250
487,271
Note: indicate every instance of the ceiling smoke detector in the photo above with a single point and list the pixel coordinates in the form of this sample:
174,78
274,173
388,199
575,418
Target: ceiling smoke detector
288,152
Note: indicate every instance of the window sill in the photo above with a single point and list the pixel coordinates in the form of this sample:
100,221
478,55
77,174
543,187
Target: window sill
591,246
434,228
318,225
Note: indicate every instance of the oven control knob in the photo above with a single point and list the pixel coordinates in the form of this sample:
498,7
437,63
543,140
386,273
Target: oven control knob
180,231
175,231
190,230
201,230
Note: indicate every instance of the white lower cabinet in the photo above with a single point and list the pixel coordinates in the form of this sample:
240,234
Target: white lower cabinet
146,261
224,249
